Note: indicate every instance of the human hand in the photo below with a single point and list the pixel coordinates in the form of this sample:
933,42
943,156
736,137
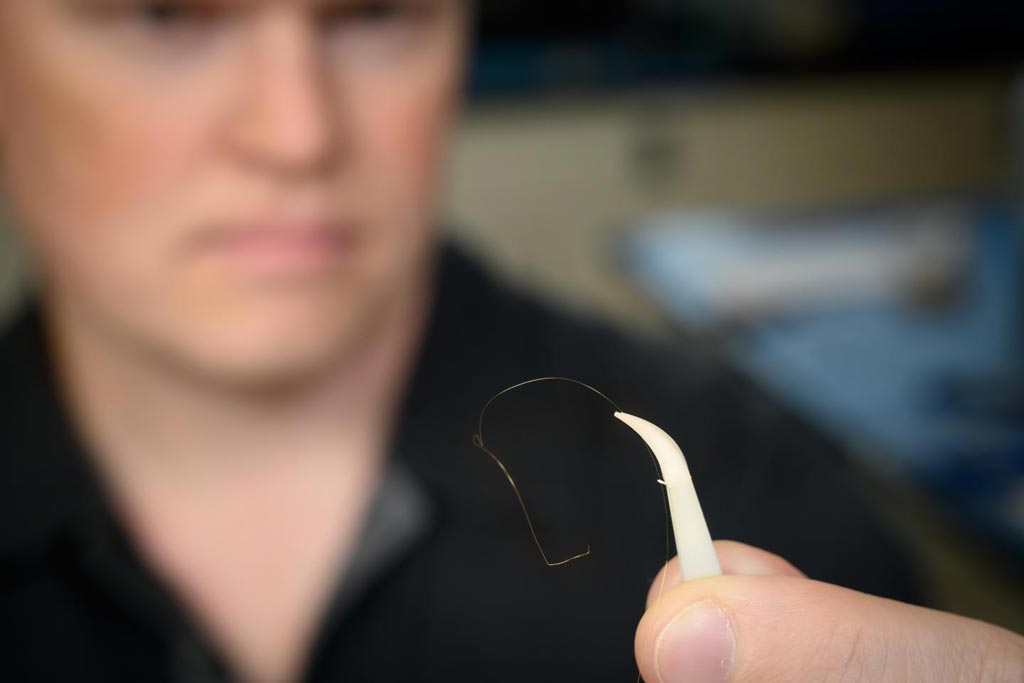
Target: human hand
764,621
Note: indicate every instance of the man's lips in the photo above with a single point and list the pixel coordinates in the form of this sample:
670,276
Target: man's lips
282,247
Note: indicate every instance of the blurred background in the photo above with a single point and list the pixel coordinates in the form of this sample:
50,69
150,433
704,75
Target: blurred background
829,193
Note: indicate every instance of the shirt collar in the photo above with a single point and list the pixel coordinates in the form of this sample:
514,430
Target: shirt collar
44,481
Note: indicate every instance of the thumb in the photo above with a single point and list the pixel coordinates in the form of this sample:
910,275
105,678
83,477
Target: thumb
788,628
735,558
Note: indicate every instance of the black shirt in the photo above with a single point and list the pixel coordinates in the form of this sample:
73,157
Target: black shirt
448,585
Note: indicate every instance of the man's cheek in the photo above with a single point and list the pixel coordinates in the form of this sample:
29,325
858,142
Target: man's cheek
408,126
120,217
125,173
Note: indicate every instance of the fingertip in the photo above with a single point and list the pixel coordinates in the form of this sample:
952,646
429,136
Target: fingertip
666,579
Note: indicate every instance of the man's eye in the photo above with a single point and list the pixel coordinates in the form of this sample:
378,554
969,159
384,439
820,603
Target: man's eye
379,11
377,28
169,26
376,14
364,10
164,14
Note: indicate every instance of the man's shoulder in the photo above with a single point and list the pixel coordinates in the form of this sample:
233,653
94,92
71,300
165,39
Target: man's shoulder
767,476
37,479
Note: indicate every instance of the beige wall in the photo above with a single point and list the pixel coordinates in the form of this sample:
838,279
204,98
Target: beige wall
546,187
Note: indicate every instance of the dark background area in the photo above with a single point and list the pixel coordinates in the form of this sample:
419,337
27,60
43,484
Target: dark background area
535,45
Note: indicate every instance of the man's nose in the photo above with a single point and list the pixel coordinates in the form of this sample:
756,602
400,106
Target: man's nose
286,120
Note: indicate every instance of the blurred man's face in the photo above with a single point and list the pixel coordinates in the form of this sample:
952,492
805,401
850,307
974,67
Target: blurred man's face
240,186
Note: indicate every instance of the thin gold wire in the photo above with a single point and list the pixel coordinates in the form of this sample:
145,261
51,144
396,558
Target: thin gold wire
478,441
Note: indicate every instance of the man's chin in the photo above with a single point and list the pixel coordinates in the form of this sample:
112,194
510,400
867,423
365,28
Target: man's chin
273,369
279,345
